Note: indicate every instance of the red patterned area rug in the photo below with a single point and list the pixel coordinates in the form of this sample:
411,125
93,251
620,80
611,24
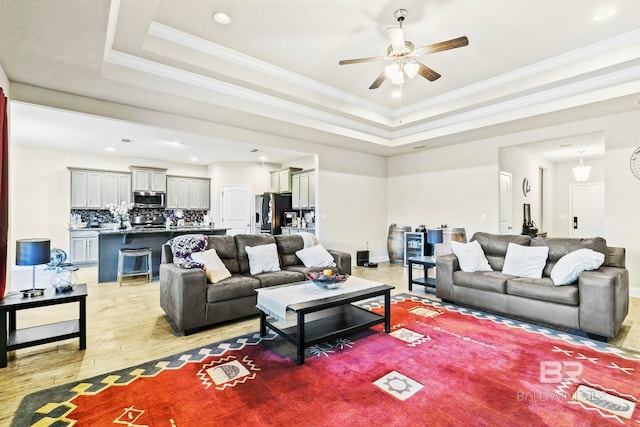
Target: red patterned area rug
440,365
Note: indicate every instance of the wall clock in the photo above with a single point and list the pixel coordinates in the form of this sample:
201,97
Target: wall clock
634,163
526,188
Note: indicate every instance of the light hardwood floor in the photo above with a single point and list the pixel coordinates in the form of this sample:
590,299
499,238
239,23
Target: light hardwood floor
126,326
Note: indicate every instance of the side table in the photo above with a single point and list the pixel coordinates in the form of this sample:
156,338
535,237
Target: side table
12,338
427,262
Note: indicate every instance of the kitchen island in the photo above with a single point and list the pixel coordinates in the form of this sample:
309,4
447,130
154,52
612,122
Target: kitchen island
111,241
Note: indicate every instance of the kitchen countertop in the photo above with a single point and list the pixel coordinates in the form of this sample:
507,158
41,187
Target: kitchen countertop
173,229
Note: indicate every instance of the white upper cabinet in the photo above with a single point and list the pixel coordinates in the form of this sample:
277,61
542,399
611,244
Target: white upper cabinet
281,180
303,189
117,188
188,193
92,189
86,189
149,179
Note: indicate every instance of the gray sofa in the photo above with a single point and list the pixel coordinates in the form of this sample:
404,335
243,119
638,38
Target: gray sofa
596,303
190,302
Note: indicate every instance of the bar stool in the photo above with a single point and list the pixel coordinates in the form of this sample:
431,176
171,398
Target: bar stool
140,252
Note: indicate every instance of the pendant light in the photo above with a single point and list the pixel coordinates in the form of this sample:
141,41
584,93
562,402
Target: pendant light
581,172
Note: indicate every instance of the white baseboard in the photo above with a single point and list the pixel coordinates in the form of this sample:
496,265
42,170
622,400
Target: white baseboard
634,291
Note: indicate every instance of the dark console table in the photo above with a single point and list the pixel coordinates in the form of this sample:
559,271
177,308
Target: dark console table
426,262
12,338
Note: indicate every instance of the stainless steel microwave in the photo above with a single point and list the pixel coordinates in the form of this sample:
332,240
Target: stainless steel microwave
148,199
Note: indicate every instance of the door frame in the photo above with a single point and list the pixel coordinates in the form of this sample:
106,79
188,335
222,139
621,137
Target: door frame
501,202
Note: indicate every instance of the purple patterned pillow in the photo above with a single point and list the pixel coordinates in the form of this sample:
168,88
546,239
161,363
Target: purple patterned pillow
183,246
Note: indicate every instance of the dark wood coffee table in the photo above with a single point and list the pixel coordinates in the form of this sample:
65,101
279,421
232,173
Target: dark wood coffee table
12,338
324,319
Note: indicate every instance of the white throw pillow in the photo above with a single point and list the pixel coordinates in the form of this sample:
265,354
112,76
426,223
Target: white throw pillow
213,265
470,256
569,267
263,258
316,256
525,261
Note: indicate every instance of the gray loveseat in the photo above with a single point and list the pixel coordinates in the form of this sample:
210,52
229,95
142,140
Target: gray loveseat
596,303
190,302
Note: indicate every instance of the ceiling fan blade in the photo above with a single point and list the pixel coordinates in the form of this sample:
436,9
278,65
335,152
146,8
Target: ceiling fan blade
396,37
428,73
376,84
356,61
446,45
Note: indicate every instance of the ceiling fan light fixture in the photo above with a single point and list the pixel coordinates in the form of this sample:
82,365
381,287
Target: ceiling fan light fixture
581,172
411,68
396,36
398,80
392,71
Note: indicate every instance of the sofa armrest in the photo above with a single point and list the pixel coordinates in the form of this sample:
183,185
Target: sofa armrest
616,257
166,256
342,260
446,265
183,296
604,300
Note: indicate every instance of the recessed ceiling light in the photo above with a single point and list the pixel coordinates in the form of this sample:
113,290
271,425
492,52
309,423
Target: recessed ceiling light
221,18
603,14
262,158
194,159
110,149
177,143
396,93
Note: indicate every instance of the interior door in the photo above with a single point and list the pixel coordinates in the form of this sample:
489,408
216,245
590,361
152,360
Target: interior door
236,208
587,210
506,203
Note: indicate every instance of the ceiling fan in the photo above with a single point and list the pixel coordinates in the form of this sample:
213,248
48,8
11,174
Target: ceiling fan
403,55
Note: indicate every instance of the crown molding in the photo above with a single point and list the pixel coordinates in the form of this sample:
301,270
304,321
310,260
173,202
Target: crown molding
252,101
215,50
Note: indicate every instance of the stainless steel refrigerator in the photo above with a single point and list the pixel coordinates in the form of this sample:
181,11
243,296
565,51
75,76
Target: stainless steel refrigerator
270,209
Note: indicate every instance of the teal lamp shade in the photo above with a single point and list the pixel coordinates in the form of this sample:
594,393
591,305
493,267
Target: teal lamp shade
33,251
434,236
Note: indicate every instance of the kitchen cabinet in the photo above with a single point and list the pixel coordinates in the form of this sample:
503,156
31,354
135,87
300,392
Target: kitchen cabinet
95,189
116,188
86,189
280,180
188,193
149,179
83,246
303,188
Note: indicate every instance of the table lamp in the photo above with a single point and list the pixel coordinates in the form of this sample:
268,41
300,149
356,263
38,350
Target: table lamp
33,252
434,236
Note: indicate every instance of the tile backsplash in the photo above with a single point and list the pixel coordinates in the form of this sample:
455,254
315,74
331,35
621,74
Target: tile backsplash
104,216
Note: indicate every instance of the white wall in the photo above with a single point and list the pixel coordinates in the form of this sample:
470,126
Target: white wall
4,82
351,206
455,185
